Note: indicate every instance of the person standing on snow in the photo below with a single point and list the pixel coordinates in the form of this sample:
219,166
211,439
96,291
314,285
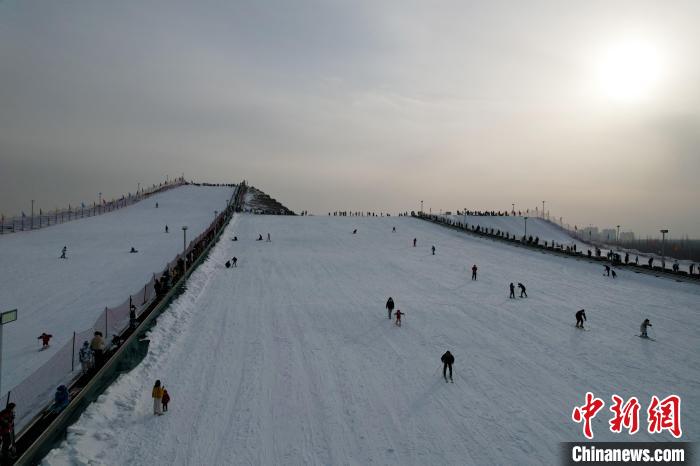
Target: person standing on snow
433,250
398,317
522,290
97,345
44,337
580,317
474,269
268,238
512,291
393,230
234,260
63,252
447,361
166,228
643,328
7,430
166,399
414,242
390,306
607,270
157,395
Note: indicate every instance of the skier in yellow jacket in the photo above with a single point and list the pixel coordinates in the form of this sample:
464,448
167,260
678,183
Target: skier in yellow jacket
157,395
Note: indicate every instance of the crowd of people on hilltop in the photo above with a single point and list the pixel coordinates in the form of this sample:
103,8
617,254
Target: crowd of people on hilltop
347,213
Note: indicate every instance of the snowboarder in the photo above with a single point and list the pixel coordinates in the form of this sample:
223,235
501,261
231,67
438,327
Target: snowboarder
433,250
166,228
268,238
44,337
414,242
522,290
235,238
474,269
234,261
133,250
390,306
607,270
614,275
398,317
85,356
259,237
447,361
643,328
60,399
63,252
7,431
580,317
512,291
166,399
157,395
354,231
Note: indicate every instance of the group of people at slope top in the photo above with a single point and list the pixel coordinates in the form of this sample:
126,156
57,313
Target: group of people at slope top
390,309
523,293
161,398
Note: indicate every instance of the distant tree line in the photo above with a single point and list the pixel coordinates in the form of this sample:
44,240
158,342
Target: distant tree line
684,249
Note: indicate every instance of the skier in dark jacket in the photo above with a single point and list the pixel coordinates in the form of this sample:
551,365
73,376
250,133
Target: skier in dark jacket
44,337
61,399
512,290
580,317
234,261
643,328
447,361
390,306
522,290
433,250
607,270
414,242
474,269
7,430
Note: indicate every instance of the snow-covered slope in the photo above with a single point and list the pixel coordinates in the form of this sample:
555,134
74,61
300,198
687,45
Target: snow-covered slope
536,227
59,296
290,358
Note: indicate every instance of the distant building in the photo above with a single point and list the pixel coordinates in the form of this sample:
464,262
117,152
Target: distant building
627,236
589,233
608,234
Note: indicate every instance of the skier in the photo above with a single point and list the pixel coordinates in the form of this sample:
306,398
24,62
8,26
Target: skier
63,252
234,260
165,399
607,270
522,290
156,205
7,431
398,317
259,238
474,268
60,400
354,231
235,238
44,337
393,230
433,250
390,306
651,262
447,361
614,275
643,328
85,356
580,317
512,291
268,238
166,228
414,242
157,395
228,264
133,251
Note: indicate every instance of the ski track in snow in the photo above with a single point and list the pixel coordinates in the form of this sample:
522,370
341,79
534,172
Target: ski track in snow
290,358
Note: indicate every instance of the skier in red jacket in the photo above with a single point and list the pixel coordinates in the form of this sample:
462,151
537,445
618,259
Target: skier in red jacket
44,337
398,317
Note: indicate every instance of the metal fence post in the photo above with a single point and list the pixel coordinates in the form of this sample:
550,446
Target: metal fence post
72,355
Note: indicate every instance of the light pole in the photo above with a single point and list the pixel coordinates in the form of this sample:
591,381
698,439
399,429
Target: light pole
542,209
618,234
513,204
525,227
421,207
663,248
138,189
99,203
32,214
184,247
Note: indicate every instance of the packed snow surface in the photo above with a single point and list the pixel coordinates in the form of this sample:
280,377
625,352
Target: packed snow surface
290,357
59,296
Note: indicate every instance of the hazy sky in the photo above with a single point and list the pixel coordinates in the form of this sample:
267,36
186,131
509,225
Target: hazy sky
360,105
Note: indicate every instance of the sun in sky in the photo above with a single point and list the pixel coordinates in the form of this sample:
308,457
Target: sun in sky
630,70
